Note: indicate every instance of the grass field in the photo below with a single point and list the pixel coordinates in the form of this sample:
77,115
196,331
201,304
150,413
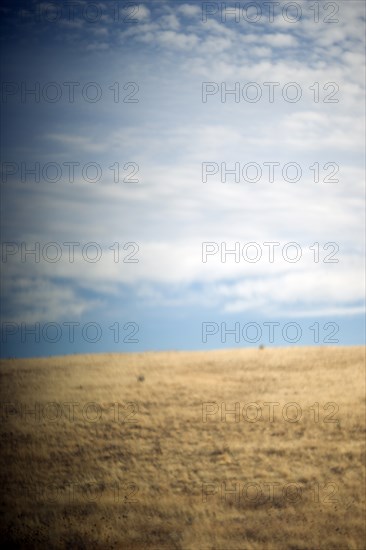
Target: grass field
179,450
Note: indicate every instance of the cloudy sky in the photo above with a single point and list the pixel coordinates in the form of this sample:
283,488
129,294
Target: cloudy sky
154,128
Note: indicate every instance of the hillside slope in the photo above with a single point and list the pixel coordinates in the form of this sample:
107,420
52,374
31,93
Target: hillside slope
238,449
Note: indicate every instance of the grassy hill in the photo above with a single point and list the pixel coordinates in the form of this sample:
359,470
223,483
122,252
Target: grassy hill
238,449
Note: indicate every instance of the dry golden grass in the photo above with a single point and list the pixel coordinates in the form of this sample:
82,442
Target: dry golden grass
162,463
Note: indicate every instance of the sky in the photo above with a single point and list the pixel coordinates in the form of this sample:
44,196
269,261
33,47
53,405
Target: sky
188,175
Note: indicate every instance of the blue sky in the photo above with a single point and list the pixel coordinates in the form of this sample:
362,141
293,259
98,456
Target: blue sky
163,58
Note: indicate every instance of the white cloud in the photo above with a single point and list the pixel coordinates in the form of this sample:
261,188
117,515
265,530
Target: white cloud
260,51
212,46
39,299
279,40
170,132
142,13
180,41
82,143
95,46
170,22
189,10
100,31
